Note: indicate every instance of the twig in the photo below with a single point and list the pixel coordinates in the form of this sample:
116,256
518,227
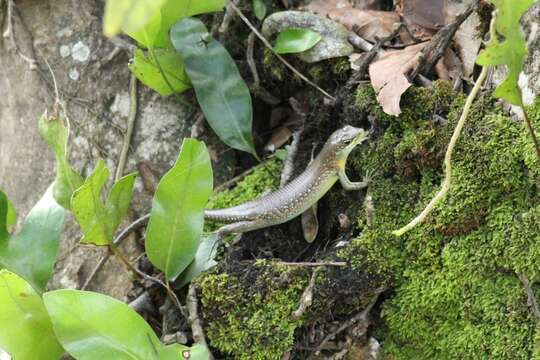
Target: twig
228,17
448,156
531,129
531,299
312,264
307,297
123,235
269,46
197,128
435,49
194,320
362,316
250,59
359,42
130,125
447,159
143,275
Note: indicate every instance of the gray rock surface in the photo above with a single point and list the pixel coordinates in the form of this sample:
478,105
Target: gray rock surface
93,81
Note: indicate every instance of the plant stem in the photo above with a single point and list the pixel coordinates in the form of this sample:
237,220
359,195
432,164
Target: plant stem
531,129
447,158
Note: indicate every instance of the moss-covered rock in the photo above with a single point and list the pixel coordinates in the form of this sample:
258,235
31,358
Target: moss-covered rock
253,322
457,293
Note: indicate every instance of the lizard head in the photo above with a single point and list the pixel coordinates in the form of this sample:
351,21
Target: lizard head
346,138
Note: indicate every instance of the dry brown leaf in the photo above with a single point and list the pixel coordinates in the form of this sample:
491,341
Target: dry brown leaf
369,24
389,76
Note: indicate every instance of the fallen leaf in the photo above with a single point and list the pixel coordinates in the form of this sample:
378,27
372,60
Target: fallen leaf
389,76
368,24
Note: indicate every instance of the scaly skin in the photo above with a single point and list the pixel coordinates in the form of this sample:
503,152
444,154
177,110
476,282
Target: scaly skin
298,195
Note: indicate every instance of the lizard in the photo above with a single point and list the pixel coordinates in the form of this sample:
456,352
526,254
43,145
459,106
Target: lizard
295,197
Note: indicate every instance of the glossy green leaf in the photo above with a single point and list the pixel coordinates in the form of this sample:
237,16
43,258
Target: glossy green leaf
259,9
177,217
156,33
27,332
67,180
99,220
204,260
511,50
93,326
222,93
147,70
31,253
128,15
296,40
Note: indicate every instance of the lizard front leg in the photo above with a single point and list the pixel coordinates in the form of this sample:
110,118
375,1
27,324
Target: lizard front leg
349,185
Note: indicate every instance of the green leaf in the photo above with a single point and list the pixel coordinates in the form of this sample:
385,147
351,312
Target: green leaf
128,15
223,95
295,40
8,215
148,72
99,221
177,216
27,331
11,216
67,180
32,252
204,260
259,9
511,51
157,29
93,326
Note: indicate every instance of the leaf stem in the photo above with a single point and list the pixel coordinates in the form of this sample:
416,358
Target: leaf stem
531,128
447,158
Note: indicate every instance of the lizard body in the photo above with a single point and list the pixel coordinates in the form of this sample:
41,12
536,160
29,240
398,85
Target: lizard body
298,195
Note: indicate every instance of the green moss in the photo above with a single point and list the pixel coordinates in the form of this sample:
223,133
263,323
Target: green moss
457,294
248,314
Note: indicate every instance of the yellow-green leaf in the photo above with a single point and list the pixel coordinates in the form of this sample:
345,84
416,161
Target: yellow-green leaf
295,40
31,252
128,15
27,331
509,48
93,326
67,180
99,221
147,69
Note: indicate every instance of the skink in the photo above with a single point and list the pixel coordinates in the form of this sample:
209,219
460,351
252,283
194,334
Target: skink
298,195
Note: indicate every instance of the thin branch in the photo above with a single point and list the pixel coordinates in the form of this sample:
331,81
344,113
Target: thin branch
307,297
447,158
130,125
362,316
194,320
531,299
312,264
531,129
269,46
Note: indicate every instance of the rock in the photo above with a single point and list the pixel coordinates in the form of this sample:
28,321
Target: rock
334,41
